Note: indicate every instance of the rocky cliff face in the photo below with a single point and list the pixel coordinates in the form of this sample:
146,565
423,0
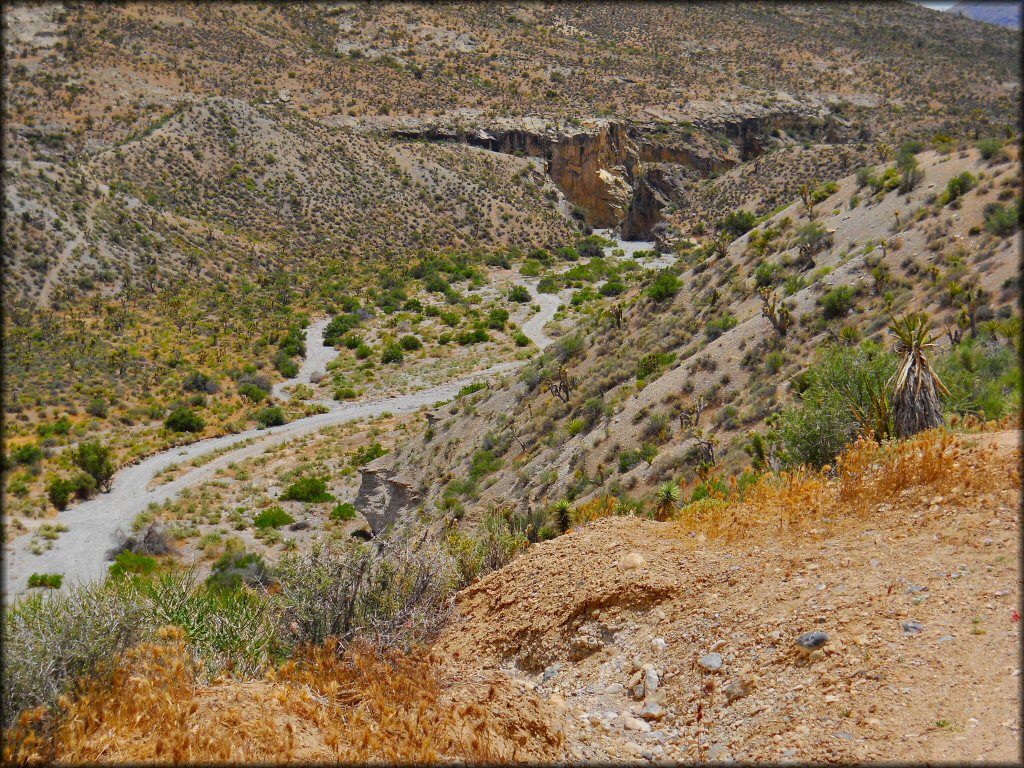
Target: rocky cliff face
623,175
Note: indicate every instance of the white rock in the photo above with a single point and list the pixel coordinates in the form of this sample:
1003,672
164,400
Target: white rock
614,688
658,645
633,724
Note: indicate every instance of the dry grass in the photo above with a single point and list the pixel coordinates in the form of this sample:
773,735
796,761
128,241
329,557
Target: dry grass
866,477
360,706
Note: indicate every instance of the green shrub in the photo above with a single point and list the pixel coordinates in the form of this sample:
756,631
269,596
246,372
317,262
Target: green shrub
237,567
664,287
983,378
285,365
819,424
990,148
344,393
132,564
738,223
366,454
1002,221
469,389
837,302
97,407
392,354
519,294
653,362
766,274
548,284
29,453
363,351
309,489
339,327
483,463
719,325
184,420
46,580
59,491
612,288
497,318
93,458
271,417
521,339
344,511
410,343
252,392
475,336
273,517
959,185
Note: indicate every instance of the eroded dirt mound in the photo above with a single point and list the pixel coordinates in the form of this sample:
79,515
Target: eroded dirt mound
540,608
920,601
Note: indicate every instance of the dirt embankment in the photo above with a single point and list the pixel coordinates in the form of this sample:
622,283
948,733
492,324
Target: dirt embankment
919,600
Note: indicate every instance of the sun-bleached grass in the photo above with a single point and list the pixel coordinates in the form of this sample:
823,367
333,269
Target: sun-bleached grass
866,476
360,705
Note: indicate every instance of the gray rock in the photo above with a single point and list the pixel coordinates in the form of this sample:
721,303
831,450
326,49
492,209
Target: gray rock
914,589
809,642
711,662
652,711
944,639
912,627
615,688
551,671
844,735
650,682
658,644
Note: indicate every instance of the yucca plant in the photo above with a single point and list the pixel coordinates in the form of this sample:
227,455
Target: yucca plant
915,386
667,499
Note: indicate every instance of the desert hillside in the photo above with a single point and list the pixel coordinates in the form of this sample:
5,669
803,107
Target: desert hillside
510,382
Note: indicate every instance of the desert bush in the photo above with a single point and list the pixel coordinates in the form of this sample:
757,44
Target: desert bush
45,580
664,287
197,381
392,354
738,223
285,365
343,511
958,186
51,642
237,567
1002,221
270,417
93,458
719,325
252,392
837,302
97,407
410,343
132,564
991,148
184,420
312,490
653,362
272,517
983,378
820,423
519,294
29,453
395,593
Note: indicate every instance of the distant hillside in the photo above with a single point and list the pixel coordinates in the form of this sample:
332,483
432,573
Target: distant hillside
1001,14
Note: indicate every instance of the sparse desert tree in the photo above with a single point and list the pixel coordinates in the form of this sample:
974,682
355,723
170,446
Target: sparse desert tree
778,314
916,387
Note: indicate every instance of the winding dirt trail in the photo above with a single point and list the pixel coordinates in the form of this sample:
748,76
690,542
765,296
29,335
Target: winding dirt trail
95,525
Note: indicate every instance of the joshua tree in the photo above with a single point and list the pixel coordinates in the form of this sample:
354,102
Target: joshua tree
667,500
778,314
916,387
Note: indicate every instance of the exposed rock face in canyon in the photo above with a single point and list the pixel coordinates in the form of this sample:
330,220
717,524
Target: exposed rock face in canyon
624,174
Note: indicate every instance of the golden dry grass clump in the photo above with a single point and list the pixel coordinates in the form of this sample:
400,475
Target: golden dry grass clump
359,706
866,476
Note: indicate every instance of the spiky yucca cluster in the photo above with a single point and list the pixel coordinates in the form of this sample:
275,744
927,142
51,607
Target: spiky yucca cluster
916,387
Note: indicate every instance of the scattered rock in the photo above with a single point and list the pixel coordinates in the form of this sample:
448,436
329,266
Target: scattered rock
658,645
631,562
634,681
809,642
615,688
651,681
551,671
911,627
737,689
633,724
719,753
711,662
652,711
634,749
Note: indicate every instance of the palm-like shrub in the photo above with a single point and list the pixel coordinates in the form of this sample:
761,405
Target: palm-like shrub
916,387
667,501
